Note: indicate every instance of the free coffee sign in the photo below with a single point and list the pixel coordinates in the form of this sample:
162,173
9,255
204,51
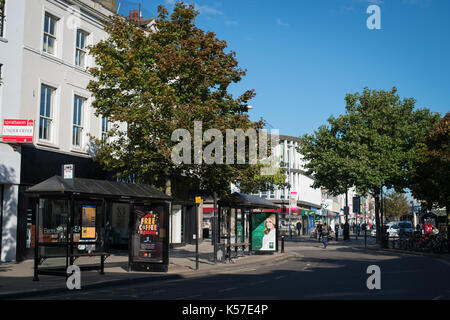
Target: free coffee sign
17,130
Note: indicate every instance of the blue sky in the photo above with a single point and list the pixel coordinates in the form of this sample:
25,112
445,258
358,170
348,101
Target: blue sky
303,56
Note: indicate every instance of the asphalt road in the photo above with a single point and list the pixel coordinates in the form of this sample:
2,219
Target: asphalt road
337,272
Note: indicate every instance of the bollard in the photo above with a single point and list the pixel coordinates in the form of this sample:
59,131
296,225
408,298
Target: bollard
365,238
282,244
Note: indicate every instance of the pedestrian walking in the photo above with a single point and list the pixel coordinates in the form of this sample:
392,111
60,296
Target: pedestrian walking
324,235
319,232
336,230
299,227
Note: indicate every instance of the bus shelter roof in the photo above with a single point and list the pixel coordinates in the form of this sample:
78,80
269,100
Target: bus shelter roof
57,185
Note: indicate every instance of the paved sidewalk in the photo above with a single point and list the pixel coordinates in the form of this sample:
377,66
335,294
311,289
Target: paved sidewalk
16,278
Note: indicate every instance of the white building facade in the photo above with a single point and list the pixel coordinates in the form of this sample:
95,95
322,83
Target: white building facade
44,58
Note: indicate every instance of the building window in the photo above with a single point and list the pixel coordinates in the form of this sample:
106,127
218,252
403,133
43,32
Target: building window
49,45
2,16
77,121
105,127
80,49
45,113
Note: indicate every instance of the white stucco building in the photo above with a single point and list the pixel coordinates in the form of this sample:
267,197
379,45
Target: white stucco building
43,59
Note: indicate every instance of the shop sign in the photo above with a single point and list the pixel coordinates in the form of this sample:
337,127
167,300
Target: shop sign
17,130
68,170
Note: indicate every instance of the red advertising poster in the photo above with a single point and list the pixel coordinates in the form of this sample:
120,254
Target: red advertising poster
17,131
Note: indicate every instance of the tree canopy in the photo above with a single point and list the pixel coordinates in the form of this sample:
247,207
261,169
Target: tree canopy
431,173
373,145
162,79
395,205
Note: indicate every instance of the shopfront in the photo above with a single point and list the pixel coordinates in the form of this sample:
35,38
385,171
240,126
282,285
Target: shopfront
308,221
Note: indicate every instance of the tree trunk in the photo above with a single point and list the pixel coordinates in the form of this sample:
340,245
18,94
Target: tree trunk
447,212
377,215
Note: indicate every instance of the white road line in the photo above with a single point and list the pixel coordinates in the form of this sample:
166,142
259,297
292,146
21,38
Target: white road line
280,277
236,270
438,297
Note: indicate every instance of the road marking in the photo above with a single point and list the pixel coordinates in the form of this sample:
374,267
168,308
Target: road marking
438,297
280,277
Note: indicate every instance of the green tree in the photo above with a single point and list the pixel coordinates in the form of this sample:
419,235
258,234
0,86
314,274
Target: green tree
159,80
371,146
395,205
431,171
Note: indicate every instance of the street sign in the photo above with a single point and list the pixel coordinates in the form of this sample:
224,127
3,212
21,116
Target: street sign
346,210
17,130
356,204
68,171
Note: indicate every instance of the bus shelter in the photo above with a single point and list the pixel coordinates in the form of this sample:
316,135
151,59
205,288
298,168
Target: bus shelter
72,222
247,222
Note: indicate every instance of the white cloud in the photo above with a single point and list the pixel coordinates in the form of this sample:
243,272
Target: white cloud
231,22
282,23
207,9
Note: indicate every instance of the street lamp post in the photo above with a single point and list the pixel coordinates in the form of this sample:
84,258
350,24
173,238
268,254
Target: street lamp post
289,202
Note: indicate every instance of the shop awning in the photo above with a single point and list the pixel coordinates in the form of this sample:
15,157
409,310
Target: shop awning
56,185
246,201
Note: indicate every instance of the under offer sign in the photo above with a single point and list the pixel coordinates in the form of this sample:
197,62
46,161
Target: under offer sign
18,130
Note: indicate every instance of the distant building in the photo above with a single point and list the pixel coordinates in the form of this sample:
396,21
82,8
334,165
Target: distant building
307,199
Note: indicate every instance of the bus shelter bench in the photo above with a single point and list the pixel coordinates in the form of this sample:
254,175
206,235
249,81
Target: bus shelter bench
74,256
59,271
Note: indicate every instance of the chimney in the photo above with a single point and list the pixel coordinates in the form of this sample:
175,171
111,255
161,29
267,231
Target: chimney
135,15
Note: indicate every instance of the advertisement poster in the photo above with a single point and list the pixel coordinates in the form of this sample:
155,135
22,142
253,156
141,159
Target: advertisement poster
263,232
148,237
293,201
88,222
